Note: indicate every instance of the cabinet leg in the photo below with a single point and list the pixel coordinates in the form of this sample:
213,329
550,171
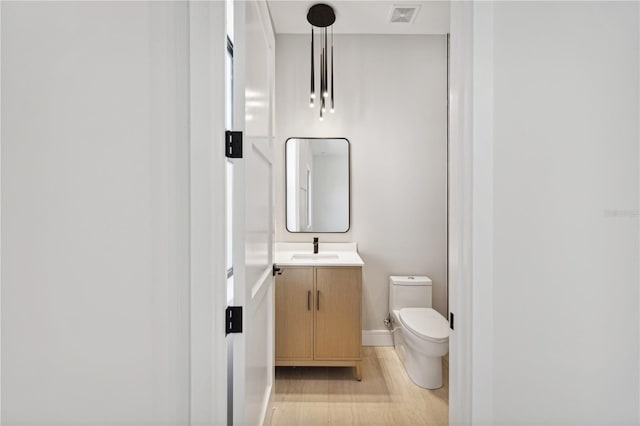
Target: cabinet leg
358,368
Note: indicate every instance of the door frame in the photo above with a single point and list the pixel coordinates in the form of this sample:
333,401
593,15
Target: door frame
207,53
471,213
208,402
0,216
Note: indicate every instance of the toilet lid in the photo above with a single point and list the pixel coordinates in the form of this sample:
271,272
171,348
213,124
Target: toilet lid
426,323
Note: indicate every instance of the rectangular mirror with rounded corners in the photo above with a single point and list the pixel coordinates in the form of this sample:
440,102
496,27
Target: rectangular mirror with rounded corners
317,184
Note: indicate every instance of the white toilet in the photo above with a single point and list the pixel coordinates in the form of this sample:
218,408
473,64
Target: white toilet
420,334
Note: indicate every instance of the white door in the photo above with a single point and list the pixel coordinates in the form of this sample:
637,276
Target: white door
252,350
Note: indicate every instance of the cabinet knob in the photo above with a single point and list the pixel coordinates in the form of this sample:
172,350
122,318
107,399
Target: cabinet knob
275,270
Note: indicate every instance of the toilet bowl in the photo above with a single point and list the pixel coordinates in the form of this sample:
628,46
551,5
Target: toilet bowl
420,333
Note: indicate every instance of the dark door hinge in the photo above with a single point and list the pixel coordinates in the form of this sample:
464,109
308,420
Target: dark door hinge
233,144
233,319
451,320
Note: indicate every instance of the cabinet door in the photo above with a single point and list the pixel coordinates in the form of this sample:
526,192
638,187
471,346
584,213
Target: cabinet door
338,313
294,314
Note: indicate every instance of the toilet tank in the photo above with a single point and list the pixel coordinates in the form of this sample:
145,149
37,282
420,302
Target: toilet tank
409,292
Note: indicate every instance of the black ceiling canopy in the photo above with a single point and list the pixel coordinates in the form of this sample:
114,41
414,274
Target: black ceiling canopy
321,15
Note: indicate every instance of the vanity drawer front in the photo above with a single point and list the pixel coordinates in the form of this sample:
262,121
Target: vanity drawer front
338,313
294,313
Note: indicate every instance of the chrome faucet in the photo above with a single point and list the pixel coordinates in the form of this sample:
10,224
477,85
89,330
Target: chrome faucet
315,245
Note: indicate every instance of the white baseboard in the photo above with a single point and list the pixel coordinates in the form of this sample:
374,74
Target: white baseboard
377,338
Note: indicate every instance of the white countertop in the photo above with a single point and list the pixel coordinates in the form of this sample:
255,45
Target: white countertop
329,254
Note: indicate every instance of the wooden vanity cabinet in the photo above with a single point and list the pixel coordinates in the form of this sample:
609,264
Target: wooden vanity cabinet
294,314
319,316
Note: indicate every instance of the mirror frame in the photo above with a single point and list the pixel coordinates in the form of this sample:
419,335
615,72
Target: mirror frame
286,226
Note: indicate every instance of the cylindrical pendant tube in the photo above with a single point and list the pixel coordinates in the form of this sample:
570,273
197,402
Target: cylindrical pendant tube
323,57
326,80
320,68
332,98
313,80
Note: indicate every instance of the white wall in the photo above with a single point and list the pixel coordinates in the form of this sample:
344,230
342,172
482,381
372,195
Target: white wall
391,104
556,159
95,218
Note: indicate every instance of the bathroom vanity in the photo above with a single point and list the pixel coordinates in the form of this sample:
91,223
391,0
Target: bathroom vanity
318,306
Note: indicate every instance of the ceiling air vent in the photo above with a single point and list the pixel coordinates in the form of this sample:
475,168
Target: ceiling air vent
404,13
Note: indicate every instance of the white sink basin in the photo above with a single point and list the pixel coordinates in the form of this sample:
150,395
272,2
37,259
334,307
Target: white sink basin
331,254
317,256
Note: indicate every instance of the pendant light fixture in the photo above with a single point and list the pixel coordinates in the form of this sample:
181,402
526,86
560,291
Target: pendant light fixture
322,16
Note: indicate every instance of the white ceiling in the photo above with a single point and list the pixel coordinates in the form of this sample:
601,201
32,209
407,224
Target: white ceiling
361,17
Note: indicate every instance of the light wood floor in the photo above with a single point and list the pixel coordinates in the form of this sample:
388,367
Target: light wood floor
307,396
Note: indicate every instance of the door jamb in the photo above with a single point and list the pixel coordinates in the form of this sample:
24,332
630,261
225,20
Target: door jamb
208,399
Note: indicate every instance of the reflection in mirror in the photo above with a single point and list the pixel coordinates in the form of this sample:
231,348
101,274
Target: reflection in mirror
317,185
